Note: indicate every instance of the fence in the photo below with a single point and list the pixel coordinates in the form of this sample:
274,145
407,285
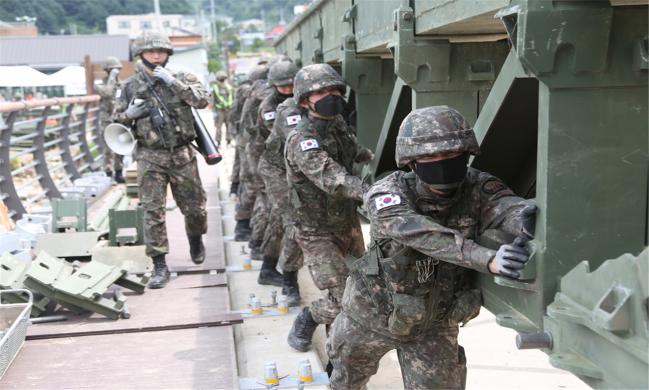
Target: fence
44,146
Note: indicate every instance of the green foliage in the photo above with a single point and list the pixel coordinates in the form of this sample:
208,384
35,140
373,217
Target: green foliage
214,63
89,16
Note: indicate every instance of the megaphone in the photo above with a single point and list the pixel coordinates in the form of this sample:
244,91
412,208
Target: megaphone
119,138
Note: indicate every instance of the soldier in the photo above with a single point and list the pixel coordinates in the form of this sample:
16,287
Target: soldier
235,115
110,91
222,94
323,193
163,153
280,76
272,166
411,289
250,150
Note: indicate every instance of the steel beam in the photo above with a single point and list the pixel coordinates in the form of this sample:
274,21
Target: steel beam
8,192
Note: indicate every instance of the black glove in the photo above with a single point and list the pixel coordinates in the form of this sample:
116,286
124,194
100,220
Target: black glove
511,258
528,220
234,188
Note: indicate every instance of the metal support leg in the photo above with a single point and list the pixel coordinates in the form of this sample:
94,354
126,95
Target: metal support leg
64,145
41,168
8,192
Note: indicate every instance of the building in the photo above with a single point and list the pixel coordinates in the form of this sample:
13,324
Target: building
171,25
274,33
18,29
50,53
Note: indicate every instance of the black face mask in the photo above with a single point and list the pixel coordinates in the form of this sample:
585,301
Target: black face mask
330,105
443,174
151,65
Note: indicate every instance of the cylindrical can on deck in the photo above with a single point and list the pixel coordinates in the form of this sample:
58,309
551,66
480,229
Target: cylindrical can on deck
282,306
256,306
270,374
305,374
247,263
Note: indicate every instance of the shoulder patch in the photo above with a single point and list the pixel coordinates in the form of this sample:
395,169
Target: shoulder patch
386,200
309,144
269,116
293,120
493,186
190,77
118,93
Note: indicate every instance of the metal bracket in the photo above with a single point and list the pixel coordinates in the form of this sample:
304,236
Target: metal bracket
546,29
42,170
8,193
69,213
419,63
350,14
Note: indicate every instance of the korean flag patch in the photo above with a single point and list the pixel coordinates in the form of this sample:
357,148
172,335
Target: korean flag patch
293,120
269,116
309,144
387,200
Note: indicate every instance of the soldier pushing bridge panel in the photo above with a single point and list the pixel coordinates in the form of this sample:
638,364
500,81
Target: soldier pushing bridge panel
412,289
157,104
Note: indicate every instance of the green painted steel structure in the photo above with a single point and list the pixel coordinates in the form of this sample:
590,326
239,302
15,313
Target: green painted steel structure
558,94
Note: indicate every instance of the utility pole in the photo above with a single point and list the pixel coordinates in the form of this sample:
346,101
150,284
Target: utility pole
213,22
156,11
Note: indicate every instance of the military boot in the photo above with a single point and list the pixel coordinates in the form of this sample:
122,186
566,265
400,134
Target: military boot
196,249
109,173
302,331
290,288
242,230
268,275
118,176
160,272
255,250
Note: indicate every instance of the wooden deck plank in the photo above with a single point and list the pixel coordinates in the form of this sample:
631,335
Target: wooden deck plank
196,281
155,309
179,359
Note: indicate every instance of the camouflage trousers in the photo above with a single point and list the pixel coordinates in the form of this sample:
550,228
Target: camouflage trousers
259,219
432,360
279,238
221,119
324,255
187,190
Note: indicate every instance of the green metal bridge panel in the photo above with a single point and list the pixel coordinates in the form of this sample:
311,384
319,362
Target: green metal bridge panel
458,17
374,25
311,33
334,29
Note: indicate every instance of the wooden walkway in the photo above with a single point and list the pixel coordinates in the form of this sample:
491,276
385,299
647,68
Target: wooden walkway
179,337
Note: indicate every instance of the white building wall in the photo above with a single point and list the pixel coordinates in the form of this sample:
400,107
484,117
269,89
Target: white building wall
135,25
194,61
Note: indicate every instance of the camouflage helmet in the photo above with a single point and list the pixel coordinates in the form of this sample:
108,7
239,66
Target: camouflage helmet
314,77
112,63
151,40
221,75
282,73
259,72
432,130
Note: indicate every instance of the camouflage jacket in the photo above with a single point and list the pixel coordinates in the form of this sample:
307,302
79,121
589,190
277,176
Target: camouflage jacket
109,92
187,92
319,159
250,111
287,115
240,96
415,276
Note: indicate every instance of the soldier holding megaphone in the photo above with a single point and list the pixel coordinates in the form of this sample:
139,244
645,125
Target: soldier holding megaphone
155,108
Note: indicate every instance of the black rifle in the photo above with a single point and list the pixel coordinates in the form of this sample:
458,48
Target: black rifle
204,143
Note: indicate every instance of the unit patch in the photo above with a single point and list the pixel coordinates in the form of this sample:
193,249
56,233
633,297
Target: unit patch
493,186
293,120
387,200
190,77
269,116
118,93
308,144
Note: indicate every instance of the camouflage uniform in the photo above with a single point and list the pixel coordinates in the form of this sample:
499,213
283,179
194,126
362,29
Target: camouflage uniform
411,289
222,94
252,184
235,116
173,164
280,234
109,92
